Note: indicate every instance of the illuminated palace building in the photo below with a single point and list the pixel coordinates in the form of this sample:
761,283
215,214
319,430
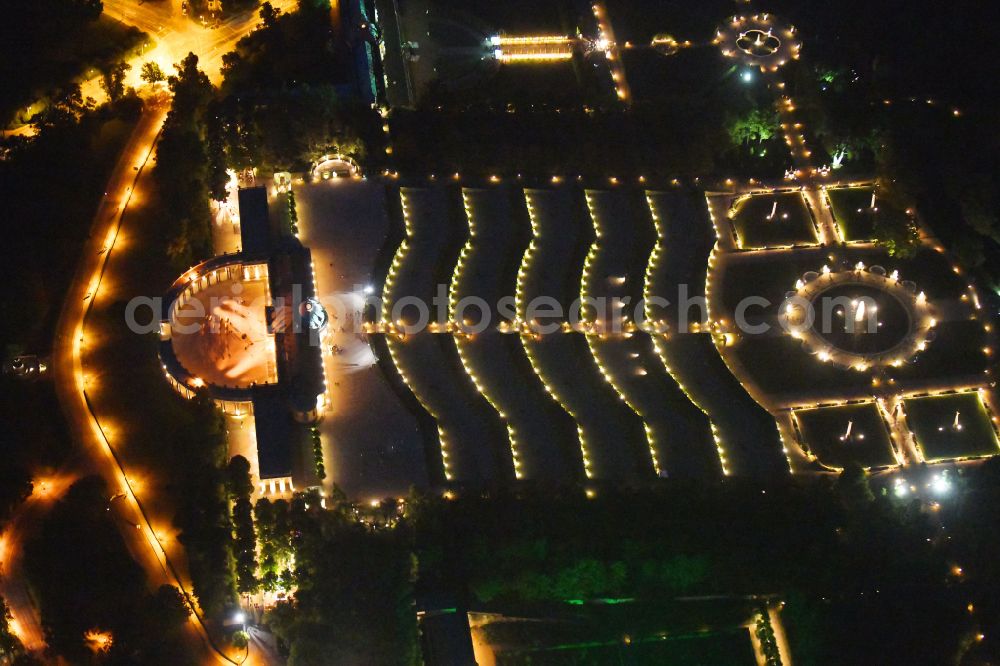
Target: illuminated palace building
234,327
532,48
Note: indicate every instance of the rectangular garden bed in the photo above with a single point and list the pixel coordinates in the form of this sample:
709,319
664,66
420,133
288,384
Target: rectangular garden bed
760,223
824,432
932,420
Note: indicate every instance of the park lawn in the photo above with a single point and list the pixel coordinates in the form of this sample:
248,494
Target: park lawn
770,275
611,433
638,21
686,241
608,428
781,367
931,419
747,431
955,353
472,435
472,439
933,274
791,225
679,434
850,210
709,632
869,445
685,75
546,441
730,648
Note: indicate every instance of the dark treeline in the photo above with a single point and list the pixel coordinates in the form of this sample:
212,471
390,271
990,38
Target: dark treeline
87,582
50,185
852,564
909,92
285,99
354,597
46,44
48,206
203,515
187,175
280,107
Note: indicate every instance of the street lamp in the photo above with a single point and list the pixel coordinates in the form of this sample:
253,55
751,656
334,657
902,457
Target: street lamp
940,484
240,618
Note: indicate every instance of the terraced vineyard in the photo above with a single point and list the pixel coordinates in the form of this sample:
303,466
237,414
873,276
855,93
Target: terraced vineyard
542,436
545,366
471,438
608,430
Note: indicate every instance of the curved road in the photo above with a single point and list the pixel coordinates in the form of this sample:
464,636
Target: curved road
176,35
25,622
69,373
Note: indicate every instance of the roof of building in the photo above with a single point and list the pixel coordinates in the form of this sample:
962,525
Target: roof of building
255,226
277,432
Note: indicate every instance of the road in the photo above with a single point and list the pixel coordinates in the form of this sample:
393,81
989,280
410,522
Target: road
176,35
69,374
25,622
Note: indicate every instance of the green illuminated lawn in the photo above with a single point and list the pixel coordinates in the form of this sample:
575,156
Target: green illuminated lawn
932,421
791,225
868,443
717,648
852,213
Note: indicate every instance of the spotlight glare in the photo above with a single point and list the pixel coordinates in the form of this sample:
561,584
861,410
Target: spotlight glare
940,484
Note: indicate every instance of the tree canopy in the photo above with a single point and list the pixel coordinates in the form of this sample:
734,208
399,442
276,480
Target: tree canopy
758,124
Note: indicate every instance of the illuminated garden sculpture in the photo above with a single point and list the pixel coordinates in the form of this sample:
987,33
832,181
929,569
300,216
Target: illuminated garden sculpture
758,40
758,43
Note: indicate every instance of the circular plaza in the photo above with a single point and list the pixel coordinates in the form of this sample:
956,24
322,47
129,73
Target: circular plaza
859,318
215,332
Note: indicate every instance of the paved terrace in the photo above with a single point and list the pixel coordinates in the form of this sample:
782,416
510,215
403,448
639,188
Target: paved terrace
372,444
